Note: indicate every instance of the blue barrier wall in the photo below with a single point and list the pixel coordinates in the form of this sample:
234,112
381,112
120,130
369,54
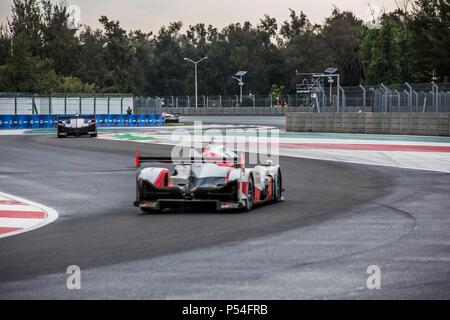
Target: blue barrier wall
103,120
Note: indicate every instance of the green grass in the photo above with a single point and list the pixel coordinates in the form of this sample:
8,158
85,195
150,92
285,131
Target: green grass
129,136
177,124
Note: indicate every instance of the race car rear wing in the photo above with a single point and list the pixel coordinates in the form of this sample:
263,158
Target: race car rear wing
75,116
186,160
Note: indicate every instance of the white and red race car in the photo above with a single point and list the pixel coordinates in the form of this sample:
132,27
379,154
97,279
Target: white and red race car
212,175
169,117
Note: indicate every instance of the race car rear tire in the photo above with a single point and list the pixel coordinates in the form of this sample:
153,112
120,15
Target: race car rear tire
61,136
94,135
278,187
250,194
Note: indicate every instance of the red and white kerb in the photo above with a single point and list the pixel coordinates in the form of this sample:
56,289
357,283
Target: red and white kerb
16,215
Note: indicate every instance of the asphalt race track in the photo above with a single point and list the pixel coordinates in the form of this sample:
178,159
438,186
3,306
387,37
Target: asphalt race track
337,219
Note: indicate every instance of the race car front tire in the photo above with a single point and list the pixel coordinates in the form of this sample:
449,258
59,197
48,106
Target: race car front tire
250,194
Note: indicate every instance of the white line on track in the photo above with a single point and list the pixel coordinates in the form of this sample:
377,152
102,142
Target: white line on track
17,207
29,224
19,222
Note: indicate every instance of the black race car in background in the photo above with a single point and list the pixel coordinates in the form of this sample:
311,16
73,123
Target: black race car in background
77,126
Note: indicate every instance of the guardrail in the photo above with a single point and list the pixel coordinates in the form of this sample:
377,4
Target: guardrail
103,120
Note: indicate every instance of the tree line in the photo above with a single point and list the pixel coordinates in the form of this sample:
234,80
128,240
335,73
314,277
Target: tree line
40,54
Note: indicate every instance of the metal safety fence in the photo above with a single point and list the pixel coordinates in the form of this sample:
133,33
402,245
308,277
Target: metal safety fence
419,97
425,97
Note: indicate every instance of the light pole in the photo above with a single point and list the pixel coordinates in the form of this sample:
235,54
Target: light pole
11,28
331,70
240,74
195,64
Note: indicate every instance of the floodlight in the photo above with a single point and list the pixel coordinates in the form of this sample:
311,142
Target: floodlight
240,74
330,70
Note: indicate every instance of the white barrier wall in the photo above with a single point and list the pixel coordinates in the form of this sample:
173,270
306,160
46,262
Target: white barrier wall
61,105
24,105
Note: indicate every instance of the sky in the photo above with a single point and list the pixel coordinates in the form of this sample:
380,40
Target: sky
150,15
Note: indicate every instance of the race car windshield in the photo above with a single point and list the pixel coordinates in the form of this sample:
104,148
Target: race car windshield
207,182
